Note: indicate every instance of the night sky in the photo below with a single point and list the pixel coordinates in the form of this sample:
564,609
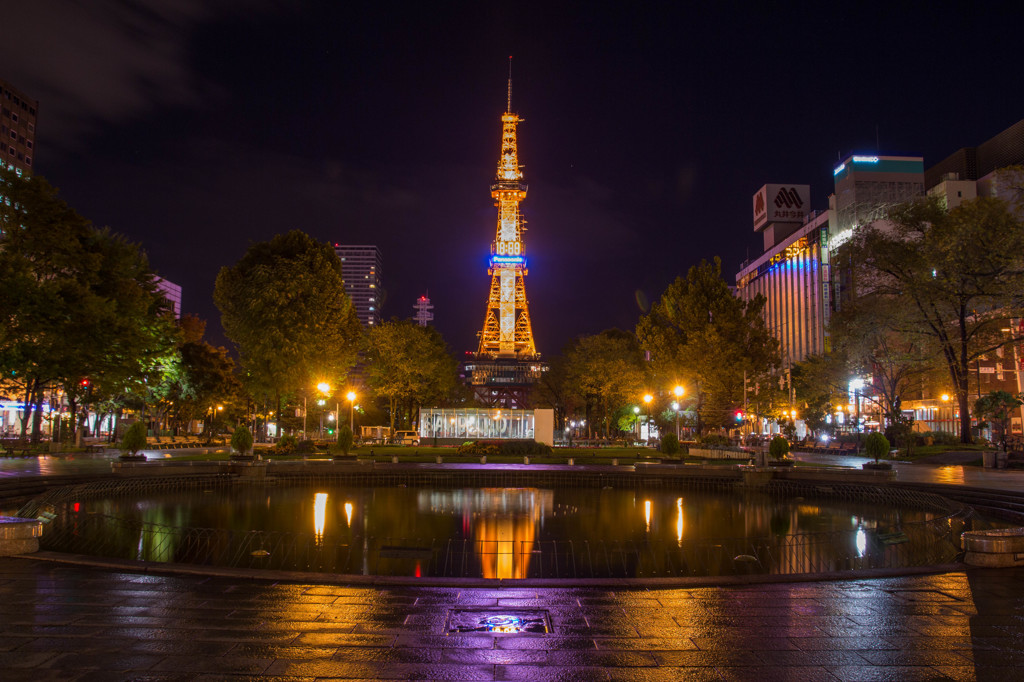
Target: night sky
196,128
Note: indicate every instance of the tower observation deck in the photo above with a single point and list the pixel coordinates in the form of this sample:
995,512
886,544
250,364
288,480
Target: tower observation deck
506,362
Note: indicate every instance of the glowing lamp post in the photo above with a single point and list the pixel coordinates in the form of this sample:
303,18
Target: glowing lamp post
636,411
325,390
351,396
678,391
647,405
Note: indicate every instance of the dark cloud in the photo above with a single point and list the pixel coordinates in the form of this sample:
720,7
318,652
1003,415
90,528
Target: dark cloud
94,63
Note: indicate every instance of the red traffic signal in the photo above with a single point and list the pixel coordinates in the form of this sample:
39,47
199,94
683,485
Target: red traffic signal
739,415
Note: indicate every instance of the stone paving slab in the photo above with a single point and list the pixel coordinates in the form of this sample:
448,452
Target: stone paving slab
68,622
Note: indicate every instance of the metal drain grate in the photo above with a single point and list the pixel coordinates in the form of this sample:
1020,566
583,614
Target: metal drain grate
499,621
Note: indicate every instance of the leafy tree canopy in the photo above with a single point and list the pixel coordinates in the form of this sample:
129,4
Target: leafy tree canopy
955,277
284,305
702,335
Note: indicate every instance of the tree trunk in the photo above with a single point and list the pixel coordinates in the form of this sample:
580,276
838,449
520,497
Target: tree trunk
26,408
277,415
37,415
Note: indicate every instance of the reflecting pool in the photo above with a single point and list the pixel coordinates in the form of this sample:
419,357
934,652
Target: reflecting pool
506,533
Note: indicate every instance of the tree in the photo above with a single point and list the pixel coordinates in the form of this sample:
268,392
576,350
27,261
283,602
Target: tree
284,305
81,309
956,277
716,343
408,363
871,334
998,406
203,378
241,440
605,371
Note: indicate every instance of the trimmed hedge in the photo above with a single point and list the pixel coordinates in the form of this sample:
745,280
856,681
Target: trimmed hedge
504,447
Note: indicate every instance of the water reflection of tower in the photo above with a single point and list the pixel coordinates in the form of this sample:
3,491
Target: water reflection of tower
505,524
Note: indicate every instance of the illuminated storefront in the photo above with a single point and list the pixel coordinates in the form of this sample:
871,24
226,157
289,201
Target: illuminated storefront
456,425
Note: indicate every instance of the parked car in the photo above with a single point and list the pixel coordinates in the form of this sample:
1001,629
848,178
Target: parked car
406,438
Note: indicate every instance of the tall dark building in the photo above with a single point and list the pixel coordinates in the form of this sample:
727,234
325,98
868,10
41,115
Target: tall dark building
360,268
17,129
974,163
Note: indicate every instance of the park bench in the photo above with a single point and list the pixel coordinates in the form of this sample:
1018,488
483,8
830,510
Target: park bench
16,447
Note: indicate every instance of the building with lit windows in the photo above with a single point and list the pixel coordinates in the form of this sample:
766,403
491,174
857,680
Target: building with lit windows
17,128
792,275
361,270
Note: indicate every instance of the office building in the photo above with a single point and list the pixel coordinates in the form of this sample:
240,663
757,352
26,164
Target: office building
17,129
172,292
361,270
975,163
792,275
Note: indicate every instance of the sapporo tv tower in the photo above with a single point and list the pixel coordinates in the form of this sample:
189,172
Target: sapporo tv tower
506,363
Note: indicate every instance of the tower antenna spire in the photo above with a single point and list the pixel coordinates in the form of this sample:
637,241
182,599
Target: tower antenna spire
508,106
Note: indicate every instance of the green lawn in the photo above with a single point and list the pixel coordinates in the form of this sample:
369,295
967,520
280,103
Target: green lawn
924,451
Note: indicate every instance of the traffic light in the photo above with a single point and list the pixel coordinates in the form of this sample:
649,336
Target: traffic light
739,415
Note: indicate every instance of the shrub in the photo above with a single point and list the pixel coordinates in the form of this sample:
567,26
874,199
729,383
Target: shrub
285,445
712,439
134,438
504,447
876,445
241,440
345,439
778,448
305,447
669,444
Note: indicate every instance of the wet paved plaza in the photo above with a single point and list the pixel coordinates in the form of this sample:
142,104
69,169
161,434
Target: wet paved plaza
65,622
74,622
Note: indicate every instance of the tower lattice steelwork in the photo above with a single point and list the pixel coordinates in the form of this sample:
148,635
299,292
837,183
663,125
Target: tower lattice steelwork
507,332
506,364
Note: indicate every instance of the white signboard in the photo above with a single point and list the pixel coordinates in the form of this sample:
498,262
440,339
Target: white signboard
781,204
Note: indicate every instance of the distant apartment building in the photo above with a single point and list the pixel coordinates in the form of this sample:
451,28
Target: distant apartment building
17,129
361,270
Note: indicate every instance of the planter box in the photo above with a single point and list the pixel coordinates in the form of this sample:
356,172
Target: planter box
876,466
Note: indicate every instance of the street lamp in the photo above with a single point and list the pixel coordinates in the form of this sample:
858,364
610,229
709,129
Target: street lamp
636,411
325,390
647,403
351,396
678,391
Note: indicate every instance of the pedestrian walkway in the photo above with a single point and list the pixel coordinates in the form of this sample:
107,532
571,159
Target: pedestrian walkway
913,472
66,622
61,621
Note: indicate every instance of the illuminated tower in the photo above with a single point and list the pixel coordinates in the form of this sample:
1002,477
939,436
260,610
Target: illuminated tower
507,332
506,364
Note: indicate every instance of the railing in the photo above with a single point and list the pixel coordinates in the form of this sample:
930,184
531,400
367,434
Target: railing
919,544
928,542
